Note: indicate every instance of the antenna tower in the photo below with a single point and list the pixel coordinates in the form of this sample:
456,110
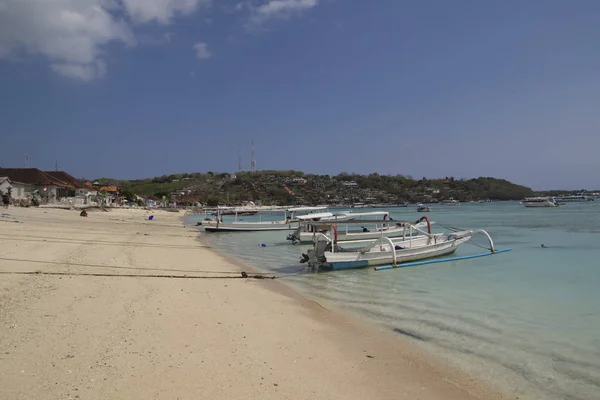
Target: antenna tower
239,160
27,158
56,165
253,162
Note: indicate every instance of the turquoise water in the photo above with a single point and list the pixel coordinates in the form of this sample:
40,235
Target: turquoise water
526,321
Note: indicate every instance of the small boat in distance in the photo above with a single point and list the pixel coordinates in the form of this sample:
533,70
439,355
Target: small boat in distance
573,198
422,208
451,202
539,202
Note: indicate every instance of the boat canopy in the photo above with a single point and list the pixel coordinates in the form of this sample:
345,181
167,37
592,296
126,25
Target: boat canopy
302,209
359,222
369,214
315,215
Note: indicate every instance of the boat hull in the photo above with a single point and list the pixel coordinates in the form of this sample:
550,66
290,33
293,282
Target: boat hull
534,202
211,226
375,263
537,205
421,251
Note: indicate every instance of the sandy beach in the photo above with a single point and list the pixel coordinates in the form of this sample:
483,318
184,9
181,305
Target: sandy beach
99,308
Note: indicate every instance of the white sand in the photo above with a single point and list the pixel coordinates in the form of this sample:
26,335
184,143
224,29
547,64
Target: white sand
109,337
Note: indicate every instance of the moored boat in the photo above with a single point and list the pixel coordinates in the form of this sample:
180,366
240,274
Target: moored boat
327,254
539,202
451,202
368,230
573,198
291,221
423,208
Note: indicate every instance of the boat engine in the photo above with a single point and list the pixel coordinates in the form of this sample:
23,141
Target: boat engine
294,236
316,255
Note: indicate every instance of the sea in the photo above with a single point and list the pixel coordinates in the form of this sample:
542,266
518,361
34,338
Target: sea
526,321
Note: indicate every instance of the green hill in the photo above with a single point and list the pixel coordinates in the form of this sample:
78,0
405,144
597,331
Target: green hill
295,187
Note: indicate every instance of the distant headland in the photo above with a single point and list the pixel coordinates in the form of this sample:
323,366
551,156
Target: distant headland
295,187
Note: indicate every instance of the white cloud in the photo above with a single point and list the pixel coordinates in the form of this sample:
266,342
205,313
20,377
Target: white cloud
84,72
162,11
71,34
280,9
202,52
157,40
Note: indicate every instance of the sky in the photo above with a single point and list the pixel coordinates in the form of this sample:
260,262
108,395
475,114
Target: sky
431,88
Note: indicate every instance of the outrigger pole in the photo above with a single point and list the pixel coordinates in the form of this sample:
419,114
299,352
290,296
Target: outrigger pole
439,260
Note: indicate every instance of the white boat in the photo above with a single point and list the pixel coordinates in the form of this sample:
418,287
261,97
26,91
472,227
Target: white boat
325,217
423,208
451,202
290,221
539,202
378,228
326,254
573,198
240,211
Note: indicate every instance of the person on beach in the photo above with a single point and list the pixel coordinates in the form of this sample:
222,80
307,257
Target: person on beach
5,199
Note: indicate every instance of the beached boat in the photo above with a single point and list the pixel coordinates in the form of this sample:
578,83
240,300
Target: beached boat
327,254
539,202
365,230
291,221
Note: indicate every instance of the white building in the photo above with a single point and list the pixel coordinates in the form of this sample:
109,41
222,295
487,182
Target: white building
5,184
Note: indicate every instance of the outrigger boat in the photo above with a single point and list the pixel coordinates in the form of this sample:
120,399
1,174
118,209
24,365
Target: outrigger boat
539,202
327,254
384,227
290,221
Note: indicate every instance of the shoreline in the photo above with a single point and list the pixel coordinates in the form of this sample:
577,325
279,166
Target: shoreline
134,337
418,358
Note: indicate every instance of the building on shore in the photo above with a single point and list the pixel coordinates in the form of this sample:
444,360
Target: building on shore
50,186
5,184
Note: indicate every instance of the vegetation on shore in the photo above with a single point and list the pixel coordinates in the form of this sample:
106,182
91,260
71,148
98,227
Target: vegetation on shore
295,187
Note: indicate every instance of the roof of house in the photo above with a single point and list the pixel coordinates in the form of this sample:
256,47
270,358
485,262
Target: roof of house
34,176
26,175
108,189
4,179
64,177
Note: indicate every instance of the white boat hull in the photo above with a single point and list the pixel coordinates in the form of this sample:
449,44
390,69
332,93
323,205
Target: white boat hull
417,249
539,204
212,226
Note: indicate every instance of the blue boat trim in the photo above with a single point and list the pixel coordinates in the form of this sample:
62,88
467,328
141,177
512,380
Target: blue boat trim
440,260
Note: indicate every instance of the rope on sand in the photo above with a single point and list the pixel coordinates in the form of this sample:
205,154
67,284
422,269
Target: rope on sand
242,275
71,264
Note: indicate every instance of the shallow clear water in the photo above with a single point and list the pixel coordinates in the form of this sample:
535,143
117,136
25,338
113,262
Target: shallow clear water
527,321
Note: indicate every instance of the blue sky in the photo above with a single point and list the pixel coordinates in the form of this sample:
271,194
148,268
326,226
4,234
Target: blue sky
138,88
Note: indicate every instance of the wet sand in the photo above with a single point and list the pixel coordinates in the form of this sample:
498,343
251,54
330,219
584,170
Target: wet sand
79,321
